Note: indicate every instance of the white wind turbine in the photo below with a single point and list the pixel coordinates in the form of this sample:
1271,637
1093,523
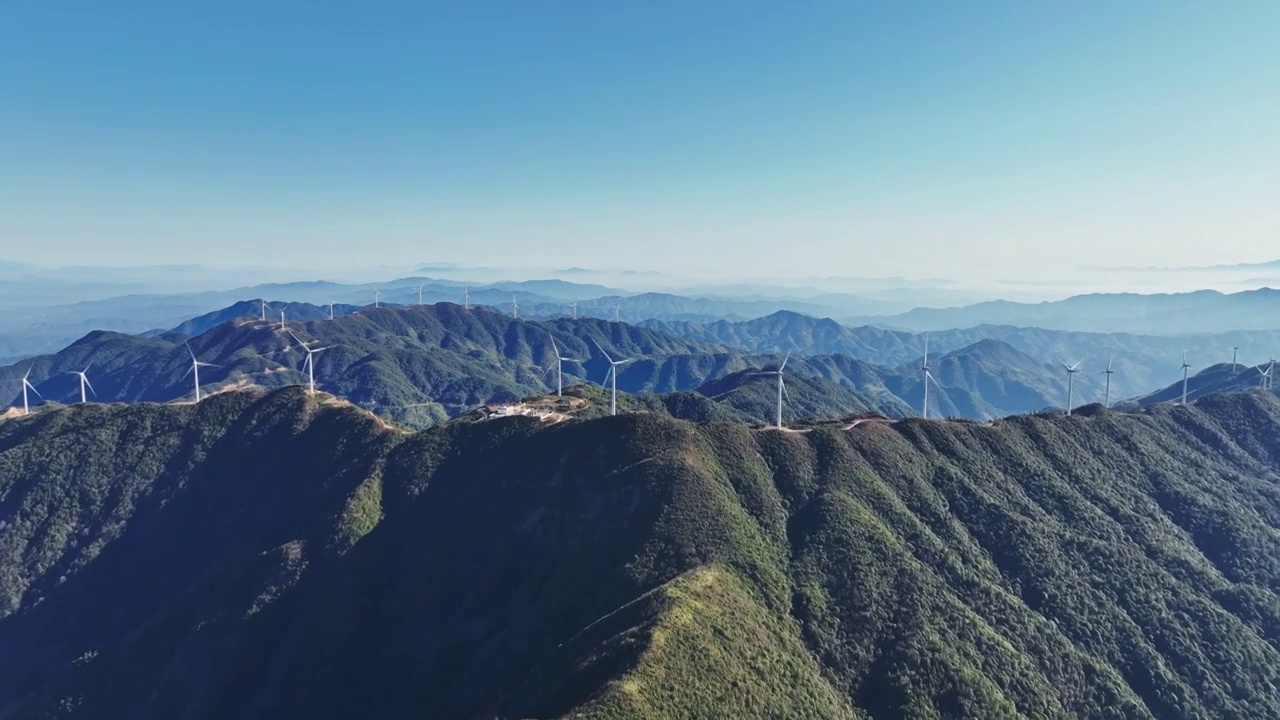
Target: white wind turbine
617,312
515,307
377,298
1266,376
560,360
420,294
330,309
195,370
1108,372
282,327
781,386
574,306
466,298
84,381
311,363
1071,375
26,383
1185,368
925,377
613,372
264,311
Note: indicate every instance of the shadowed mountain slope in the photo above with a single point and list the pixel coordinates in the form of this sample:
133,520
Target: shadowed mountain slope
270,556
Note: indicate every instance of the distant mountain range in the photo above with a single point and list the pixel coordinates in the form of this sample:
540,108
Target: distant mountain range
419,365
1203,311
1142,362
1215,379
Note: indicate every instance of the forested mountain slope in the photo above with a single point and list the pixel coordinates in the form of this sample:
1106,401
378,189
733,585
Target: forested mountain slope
270,557
1143,363
423,364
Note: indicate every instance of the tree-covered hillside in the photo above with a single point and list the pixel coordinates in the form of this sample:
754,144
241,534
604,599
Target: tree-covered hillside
423,364
274,556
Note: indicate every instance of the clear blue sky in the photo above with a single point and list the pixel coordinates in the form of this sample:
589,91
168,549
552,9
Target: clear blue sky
833,136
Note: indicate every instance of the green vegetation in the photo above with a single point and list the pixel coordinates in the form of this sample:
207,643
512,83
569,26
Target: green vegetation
421,365
274,555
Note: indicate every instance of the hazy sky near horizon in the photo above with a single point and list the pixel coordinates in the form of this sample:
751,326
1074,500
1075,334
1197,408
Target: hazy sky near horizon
745,138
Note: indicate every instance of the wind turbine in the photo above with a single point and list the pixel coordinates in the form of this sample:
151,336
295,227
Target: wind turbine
781,385
264,311
1235,349
84,381
1185,368
377,295
617,310
1071,375
466,298
613,371
311,364
26,383
574,305
925,377
330,309
515,307
195,369
559,373
282,328
1108,372
1266,376
420,294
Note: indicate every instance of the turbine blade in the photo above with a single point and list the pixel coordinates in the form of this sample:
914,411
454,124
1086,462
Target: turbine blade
295,338
86,382
606,355
784,362
191,352
33,389
185,374
786,393
1109,361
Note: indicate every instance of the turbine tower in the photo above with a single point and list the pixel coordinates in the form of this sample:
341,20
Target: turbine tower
195,369
466,299
1108,372
574,306
560,359
311,363
1235,350
84,381
781,386
925,377
613,372
420,294
1071,374
264,311
282,328
330,309
1185,368
617,312
377,298
515,307
26,383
